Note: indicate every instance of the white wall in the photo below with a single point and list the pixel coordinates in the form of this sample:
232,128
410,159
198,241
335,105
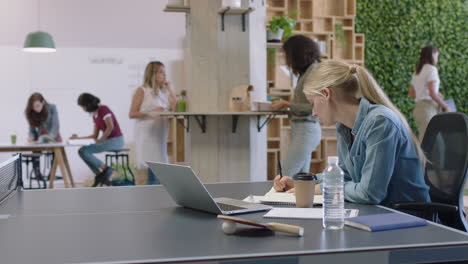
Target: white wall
93,23
102,48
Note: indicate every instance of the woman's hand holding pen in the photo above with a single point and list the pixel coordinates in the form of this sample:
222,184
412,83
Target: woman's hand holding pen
284,183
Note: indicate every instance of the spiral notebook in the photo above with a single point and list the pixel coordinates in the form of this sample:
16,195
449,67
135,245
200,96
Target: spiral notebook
281,198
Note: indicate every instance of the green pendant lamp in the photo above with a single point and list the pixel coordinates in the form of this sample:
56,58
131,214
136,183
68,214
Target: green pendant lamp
39,41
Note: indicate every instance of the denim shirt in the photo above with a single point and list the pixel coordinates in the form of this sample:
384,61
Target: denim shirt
51,124
381,166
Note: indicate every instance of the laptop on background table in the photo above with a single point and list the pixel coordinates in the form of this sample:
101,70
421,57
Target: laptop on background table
186,189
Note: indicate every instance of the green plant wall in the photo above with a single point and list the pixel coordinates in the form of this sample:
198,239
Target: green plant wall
396,30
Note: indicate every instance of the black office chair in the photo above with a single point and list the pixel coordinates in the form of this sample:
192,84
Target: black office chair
445,144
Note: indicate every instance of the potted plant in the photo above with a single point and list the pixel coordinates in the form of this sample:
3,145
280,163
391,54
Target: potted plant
280,27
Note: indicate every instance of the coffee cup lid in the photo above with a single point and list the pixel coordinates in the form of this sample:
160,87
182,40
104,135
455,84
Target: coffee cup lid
302,176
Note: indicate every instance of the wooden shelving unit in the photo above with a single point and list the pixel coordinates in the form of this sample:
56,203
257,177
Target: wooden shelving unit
331,23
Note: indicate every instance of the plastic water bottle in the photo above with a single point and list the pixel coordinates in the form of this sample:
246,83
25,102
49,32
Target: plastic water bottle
333,195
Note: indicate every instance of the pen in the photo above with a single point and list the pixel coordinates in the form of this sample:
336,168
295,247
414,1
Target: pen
279,167
280,170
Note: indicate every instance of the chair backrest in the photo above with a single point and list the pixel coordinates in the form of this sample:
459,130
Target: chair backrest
10,176
445,144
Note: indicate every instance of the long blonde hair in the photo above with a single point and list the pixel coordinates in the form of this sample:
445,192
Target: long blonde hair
149,79
354,80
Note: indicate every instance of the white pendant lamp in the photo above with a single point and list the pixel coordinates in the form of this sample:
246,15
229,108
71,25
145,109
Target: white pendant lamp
39,41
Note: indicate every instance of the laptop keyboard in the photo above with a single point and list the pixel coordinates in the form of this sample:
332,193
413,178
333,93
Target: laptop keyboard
229,207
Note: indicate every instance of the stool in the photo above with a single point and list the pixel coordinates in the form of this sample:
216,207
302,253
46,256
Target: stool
34,159
122,155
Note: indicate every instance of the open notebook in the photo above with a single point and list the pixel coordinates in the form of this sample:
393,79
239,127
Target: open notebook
273,197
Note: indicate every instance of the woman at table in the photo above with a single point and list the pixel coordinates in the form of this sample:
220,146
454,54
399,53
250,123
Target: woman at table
302,55
379,155
424,89
110,138
151,131
43,120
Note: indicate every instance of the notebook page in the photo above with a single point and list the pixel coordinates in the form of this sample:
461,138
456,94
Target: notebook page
304,213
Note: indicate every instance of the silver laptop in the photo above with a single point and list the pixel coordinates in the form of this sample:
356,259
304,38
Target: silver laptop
187,190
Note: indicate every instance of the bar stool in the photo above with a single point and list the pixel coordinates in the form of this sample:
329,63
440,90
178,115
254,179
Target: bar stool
121,157
35,173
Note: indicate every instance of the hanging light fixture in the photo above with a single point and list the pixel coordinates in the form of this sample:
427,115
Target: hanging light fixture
39,41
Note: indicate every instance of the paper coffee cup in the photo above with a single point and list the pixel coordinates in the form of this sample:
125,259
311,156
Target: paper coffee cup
304,186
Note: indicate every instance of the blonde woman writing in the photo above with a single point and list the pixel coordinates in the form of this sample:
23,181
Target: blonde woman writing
378,153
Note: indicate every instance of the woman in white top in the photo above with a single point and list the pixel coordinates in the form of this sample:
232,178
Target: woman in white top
424,89
151,130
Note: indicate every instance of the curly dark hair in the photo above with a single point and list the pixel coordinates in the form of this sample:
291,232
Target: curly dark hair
301,52
89,102
426,57
36,119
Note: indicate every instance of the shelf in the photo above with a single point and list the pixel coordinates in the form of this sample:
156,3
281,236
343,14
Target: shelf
358,53
273,138
359,38
280,94
306,10
351,7
311,33
177,9
277,89
346,22
277,9
274,45
276,4
235,11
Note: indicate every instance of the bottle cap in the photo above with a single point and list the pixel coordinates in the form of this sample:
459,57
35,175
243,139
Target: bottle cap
332,160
